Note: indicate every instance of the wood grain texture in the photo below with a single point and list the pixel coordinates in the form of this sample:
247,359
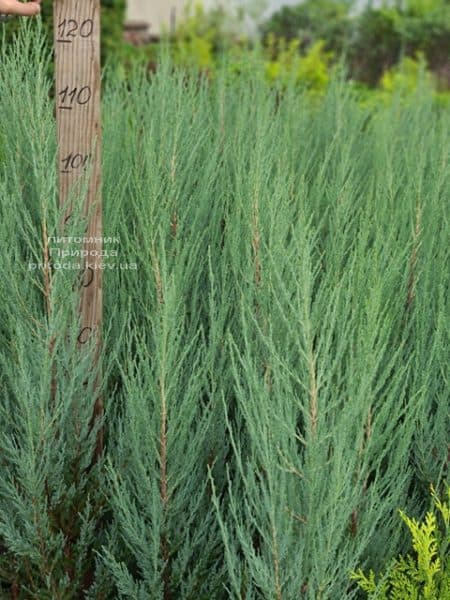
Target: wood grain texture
78,113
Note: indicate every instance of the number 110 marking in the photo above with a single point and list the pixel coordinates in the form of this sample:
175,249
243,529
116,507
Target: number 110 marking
79,96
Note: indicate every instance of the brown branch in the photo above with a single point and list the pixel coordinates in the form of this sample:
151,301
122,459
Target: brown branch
413,259
165,550
313,393
164,494
174,224
256,244
47,273
158,279
15,590
276,562
47,295
163,443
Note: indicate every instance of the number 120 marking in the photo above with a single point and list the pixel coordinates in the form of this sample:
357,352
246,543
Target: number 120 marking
69,28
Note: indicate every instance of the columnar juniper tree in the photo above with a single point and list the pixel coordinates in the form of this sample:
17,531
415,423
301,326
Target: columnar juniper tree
50,491
168,432
325,453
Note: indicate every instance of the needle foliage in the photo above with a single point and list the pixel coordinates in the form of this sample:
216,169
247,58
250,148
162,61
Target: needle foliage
276,353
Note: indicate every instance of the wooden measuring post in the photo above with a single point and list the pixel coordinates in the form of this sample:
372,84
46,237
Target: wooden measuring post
77,96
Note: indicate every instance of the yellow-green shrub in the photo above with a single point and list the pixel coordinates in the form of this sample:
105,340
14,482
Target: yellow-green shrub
311,70
424,575
194,51
407,76
198,36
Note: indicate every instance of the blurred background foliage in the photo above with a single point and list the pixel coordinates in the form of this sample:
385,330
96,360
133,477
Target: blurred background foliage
386,49
113,17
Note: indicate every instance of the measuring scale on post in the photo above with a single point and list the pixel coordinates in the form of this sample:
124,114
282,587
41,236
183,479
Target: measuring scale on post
77,96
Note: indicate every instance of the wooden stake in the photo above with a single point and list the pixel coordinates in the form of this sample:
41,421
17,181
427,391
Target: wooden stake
78,114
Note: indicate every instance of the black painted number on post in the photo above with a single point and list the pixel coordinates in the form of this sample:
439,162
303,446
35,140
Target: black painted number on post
76,96
84,335
69,29
73,162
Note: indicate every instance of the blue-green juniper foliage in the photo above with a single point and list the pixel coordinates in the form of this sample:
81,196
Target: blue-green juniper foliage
276,339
